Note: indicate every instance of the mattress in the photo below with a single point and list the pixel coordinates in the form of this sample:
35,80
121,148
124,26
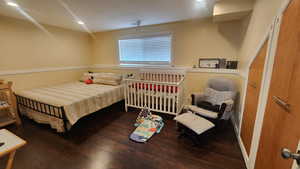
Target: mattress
78,99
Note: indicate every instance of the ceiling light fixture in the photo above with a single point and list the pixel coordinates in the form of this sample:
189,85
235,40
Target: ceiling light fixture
80,22
12,4
199,0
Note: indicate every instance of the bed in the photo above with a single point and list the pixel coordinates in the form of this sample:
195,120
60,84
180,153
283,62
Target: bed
61,106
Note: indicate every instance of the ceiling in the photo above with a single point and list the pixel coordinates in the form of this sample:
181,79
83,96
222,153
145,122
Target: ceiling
102,15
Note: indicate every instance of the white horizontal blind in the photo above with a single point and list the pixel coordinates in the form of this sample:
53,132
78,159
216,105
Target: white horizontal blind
145,50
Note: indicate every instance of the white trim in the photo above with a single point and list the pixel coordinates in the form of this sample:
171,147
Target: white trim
244,152
245,75
243,100
163,67
265,92
49,69
242,147
130,66
261,43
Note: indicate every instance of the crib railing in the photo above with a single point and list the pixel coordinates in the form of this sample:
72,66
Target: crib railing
161,76
159,91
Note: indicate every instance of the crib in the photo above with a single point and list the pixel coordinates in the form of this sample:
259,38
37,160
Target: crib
159,90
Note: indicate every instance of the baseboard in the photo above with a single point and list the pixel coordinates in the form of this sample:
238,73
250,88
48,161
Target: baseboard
241,144
244,152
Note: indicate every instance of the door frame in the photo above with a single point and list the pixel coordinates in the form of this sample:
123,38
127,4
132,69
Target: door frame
272,33
263,96
268,36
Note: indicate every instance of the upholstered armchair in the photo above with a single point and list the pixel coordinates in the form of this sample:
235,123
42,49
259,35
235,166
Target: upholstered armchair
217,101
208,109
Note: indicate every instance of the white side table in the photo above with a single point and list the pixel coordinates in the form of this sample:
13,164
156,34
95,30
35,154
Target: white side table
11,144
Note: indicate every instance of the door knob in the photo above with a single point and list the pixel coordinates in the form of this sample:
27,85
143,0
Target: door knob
287,154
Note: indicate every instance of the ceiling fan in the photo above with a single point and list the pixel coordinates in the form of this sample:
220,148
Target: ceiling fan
137,23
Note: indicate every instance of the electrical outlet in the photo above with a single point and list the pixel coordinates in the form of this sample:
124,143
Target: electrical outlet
295,165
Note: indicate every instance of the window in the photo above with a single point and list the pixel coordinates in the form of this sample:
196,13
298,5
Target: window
154,50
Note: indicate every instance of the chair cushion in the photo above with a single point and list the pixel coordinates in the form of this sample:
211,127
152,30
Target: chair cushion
203,112
217,97
196,123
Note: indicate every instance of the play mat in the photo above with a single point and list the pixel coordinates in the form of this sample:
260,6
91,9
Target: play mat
147,125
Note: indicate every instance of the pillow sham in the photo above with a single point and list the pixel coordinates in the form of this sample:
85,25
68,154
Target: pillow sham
106,82
217,97
107,76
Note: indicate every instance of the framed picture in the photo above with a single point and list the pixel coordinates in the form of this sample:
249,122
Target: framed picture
209,63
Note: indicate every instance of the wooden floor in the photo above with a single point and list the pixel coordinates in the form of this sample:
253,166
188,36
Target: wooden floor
100,141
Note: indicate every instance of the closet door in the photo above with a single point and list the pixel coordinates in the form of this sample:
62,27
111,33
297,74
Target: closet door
252,96
282,115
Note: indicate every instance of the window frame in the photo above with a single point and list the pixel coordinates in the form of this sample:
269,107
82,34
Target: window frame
151,63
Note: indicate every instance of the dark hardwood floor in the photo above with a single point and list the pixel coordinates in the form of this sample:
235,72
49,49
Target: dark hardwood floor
100,141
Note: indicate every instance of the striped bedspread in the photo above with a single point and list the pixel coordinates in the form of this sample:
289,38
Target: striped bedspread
78,99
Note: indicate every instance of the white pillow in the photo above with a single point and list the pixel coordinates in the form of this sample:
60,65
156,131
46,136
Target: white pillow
107,82
107,76
217,97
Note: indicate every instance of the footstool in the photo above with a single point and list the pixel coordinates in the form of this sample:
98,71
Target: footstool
194,123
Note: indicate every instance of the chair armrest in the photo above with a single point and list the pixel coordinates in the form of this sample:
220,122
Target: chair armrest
197,97
226,109
202,112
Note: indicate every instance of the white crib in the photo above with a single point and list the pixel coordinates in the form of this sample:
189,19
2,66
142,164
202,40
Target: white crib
159,90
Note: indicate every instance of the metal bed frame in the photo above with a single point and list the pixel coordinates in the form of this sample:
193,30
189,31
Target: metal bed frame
44,108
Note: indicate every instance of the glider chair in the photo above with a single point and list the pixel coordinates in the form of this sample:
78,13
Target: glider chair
209,109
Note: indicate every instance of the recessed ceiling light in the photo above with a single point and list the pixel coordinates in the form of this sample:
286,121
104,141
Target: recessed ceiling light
199,0
12,4
80,22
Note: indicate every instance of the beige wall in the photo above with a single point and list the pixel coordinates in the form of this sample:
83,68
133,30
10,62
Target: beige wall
191,40
24,47
32,80
262,16
255,26
232,6
228,10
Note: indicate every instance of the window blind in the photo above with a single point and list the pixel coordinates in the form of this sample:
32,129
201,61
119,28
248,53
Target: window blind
145,50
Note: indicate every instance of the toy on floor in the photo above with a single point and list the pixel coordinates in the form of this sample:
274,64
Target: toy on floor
147,125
